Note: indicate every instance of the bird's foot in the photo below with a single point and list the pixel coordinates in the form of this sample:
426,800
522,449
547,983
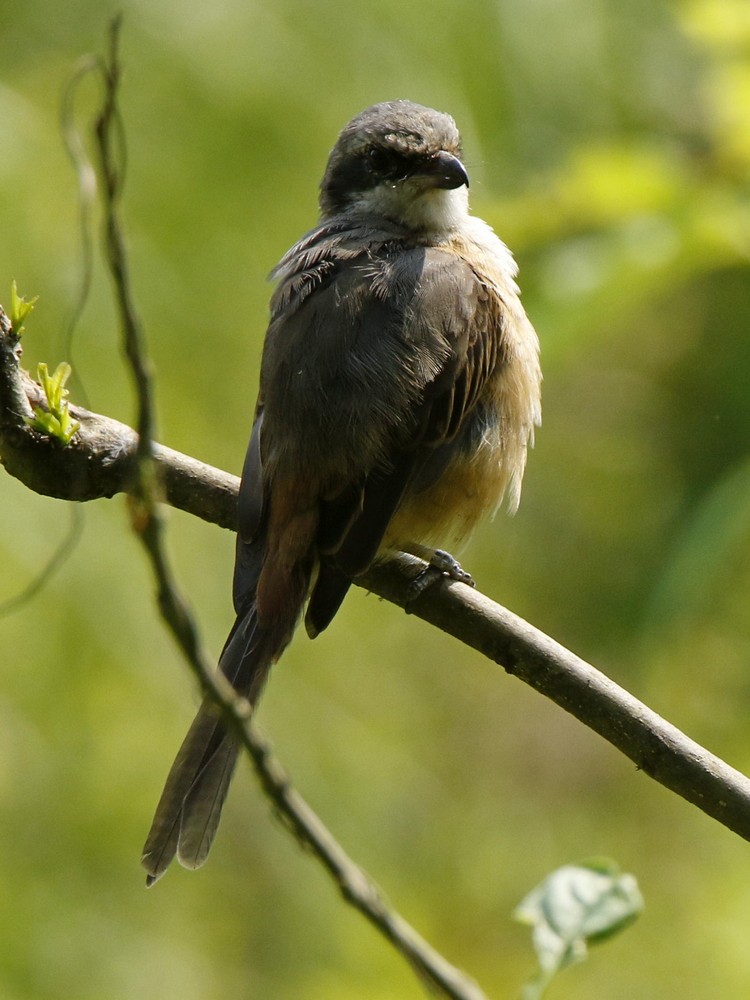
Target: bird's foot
440,564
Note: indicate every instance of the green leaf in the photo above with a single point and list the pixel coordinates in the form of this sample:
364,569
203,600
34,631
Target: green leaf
19,309
573,907
56,420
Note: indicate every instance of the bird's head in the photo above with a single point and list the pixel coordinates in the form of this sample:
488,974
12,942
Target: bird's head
399,161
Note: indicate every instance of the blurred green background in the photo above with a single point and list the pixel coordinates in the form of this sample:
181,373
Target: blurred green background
609,145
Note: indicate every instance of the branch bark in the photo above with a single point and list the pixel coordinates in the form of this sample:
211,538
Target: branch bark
100,462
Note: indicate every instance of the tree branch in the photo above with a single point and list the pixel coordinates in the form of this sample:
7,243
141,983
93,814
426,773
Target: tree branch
98,464
101,459
655,746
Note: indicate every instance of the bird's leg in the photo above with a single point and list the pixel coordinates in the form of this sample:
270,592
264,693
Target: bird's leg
439,564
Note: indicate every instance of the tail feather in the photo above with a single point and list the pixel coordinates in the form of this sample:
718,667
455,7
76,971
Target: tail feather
203,804
189,809
190,787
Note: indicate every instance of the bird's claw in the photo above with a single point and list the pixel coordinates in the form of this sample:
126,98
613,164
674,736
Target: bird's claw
441,564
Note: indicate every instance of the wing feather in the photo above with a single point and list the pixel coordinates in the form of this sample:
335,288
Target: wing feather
406,343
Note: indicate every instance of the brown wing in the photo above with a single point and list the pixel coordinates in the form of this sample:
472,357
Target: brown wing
448,304
250,516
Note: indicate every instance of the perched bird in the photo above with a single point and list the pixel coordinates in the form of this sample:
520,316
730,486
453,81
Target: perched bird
399,389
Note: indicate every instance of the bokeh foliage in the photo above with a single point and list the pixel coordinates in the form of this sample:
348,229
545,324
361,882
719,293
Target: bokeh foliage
609,144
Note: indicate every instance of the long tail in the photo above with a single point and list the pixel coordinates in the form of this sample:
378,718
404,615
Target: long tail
189,809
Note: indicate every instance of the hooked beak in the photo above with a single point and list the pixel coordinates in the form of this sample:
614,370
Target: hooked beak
446,171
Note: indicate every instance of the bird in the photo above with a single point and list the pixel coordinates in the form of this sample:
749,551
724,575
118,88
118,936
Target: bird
400,386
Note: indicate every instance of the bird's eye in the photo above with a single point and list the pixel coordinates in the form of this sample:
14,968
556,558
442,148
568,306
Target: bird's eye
378,160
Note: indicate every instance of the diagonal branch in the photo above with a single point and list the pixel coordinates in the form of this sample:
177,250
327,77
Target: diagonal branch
104,454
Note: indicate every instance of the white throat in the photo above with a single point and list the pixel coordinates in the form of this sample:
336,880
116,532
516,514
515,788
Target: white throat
409,204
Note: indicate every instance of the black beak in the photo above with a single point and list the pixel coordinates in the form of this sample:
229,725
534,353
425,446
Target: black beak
446,171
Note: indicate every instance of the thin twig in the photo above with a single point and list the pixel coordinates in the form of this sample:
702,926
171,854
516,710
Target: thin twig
356,887
111,147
